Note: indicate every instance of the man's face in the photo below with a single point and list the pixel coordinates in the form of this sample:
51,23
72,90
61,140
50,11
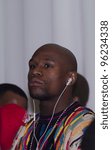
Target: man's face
47,75
11,97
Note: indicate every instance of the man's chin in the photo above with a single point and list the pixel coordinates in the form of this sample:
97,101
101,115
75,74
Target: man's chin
40,97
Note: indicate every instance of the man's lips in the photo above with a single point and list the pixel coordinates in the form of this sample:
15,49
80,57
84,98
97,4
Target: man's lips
35,83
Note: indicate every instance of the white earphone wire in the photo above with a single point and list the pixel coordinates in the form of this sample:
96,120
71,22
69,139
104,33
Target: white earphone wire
34,115
69,81
54,111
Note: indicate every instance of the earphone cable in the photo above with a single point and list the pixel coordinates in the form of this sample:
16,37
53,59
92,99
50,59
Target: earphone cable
52,114
34,123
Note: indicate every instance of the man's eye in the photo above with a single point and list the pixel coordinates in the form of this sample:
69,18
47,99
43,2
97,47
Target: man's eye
47,65
32,66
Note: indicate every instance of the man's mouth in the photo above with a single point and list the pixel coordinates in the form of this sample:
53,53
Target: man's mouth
35,83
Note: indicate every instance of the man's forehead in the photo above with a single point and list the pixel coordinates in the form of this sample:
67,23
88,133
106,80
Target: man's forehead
48,55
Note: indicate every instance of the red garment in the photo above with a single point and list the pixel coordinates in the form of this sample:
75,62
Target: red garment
11,118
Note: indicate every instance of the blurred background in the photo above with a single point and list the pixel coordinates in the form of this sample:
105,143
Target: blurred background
25,25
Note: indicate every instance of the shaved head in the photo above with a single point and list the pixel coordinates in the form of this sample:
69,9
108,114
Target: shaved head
65,55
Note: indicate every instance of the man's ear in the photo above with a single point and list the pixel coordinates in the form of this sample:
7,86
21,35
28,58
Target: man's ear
73,77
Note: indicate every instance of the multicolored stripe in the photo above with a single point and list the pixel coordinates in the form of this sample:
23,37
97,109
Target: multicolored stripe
62,135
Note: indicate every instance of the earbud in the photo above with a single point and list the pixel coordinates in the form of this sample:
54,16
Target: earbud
69,81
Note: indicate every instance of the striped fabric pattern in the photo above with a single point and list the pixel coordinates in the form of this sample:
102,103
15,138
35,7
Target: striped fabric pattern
66,134
69,135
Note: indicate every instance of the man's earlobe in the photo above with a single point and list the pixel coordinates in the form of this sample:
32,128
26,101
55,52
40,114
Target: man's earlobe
69,81
74,77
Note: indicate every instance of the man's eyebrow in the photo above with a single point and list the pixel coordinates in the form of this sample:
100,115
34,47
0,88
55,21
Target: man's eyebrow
45,59
50,59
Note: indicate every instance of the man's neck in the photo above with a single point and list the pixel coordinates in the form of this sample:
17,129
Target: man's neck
47,107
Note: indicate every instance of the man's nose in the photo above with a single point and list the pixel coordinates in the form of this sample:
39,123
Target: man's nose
36,72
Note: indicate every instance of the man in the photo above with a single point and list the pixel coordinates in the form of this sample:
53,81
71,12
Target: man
13,105
62,121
